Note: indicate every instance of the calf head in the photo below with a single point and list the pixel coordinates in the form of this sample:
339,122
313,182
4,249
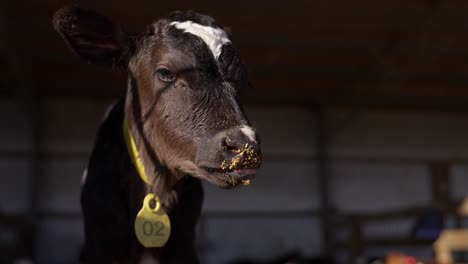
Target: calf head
182,102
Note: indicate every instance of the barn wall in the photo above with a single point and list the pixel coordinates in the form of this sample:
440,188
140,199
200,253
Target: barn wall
68,133
378,162
15,164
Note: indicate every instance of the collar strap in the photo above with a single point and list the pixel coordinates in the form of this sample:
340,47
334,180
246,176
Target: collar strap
133,151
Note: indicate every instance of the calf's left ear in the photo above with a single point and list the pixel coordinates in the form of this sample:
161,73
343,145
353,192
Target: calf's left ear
92,36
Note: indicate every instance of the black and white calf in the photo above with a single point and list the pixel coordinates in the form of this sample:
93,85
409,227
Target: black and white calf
179,121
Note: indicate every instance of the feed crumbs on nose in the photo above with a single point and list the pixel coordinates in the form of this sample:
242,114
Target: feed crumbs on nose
246,158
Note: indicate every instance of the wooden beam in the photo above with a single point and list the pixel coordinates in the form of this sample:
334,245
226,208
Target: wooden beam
324,180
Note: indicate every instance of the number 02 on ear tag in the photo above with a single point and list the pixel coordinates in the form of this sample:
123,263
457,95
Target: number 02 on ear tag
152,225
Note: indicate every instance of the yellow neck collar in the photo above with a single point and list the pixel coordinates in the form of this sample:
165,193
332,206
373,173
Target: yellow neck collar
133,151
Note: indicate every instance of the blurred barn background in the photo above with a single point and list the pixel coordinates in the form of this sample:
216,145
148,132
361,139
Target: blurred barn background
361,106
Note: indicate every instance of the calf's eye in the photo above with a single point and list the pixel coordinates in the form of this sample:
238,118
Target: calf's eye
165,75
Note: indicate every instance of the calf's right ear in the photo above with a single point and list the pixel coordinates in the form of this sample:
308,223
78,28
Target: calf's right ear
92,37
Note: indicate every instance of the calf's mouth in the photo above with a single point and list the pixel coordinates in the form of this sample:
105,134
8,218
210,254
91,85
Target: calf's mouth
241,168
231,172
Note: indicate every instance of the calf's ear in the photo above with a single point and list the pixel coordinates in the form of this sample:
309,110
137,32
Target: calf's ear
92,36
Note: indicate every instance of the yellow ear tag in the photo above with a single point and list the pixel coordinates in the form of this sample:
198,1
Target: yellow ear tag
152,225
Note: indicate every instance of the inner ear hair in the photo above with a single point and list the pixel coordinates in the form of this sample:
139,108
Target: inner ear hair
92,36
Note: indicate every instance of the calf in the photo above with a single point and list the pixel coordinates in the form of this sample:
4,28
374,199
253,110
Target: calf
179,121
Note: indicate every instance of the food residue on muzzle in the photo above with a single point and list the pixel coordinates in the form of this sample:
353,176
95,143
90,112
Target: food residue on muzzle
247,158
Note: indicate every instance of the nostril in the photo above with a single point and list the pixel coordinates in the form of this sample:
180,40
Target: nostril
230,145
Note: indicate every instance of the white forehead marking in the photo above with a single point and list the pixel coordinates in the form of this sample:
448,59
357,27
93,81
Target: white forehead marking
248,131
215,38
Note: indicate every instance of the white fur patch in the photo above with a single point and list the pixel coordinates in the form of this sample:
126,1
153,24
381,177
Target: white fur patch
248,131
84,176
148,259
108,111
215,38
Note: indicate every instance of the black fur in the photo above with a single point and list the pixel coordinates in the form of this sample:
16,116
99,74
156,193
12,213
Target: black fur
185,127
